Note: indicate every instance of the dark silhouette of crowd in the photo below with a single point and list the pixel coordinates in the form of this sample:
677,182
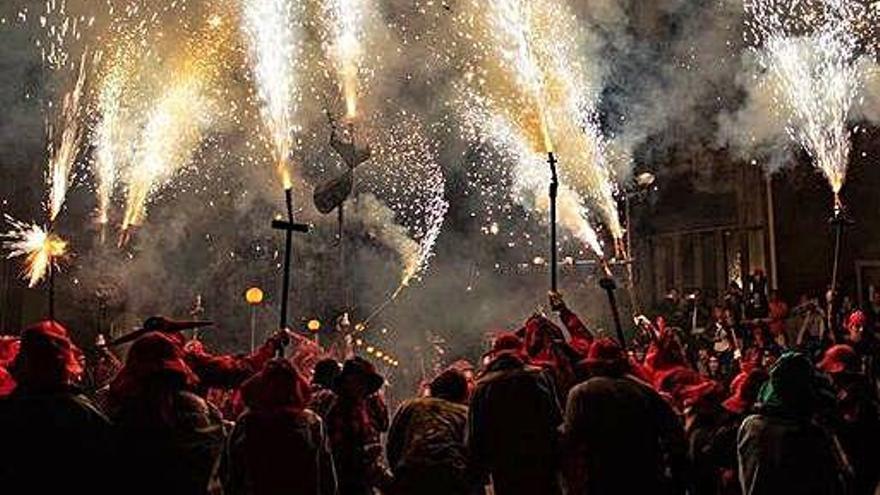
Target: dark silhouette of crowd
737,395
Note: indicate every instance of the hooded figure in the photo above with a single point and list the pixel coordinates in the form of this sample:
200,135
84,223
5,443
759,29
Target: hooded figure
857,418
620,435
352,427
278,447
426,441
54,440
781,448
514,417
167,435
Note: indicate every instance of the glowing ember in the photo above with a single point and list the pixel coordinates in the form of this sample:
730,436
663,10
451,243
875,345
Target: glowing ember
274,45
813,51
39,248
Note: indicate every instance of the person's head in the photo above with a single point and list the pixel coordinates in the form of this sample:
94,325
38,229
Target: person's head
326,370
505,344
357,380
154,361
703,354
606,358
46,357
840,358
450,385
855,324
277,386
714,364
759,334
796,387
745,389
728,318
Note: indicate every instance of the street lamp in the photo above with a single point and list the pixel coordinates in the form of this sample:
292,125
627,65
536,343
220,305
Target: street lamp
254,297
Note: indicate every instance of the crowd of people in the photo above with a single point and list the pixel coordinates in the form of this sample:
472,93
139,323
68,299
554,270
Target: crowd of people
699,402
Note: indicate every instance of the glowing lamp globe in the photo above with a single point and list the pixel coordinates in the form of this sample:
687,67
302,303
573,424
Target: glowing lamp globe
313,325
254,296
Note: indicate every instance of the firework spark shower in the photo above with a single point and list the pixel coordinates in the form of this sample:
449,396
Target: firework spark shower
274,45
814,52
525,87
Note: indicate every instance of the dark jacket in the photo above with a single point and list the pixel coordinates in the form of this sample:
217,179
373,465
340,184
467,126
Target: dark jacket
622,437
53,442
169,443
514,416
278,452
788,454
426,448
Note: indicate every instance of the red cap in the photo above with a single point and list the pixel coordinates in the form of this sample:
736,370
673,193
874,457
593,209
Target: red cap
856,319
838,358
746,387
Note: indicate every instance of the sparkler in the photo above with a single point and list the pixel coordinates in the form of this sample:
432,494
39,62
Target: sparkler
812,50
39,248
526,90
345,47
274,45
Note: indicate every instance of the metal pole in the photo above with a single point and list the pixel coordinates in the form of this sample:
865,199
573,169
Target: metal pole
554,189
631,278
253,327
771,231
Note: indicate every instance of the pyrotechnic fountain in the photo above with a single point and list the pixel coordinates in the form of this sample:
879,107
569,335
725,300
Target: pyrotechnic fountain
270,27
177,120
814,50
526,91
345,47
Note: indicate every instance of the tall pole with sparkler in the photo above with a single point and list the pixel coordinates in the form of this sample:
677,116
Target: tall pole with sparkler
554,191
840,221
289,227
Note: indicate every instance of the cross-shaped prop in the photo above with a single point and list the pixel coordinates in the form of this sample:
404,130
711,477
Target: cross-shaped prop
289,227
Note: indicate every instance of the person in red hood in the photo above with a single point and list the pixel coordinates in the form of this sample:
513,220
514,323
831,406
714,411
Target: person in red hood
53,439
213,371
667,366
620,436
278,447
857,415
8,350
513,423
167,435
